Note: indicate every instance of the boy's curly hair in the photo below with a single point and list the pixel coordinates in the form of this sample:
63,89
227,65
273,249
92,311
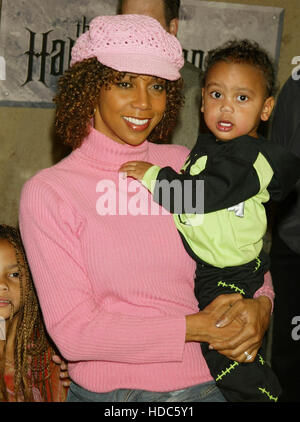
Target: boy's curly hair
243,51
171,9
79,90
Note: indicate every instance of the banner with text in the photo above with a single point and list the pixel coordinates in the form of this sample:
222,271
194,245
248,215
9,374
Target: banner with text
37,38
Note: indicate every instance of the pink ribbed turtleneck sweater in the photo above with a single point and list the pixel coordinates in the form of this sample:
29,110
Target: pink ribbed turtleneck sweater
114,289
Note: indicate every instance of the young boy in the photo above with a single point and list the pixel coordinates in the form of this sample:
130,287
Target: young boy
240,170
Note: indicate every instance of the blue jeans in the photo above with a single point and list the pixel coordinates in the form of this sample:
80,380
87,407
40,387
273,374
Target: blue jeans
206,392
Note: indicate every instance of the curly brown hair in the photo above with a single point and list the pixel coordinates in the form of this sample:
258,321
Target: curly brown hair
33,352
171,9
243,51
79,90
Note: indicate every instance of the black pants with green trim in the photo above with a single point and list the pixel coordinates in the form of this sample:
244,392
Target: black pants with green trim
238,382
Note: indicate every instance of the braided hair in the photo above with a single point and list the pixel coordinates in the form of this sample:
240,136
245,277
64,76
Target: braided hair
32,350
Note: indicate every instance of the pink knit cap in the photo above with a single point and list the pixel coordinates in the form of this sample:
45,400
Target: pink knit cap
131,43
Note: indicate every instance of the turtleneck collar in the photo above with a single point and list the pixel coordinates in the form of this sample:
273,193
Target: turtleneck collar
108,154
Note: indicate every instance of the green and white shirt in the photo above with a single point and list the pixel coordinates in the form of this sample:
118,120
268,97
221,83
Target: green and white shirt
237,177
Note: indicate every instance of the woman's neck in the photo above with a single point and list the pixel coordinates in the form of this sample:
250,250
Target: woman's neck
109,154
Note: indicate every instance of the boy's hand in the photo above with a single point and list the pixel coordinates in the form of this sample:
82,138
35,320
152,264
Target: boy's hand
135,169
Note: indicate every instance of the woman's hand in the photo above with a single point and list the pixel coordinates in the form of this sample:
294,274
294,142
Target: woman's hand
202,326
254,315
231,325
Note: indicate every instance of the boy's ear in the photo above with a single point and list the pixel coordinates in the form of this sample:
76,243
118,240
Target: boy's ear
173,26
267,109
202,102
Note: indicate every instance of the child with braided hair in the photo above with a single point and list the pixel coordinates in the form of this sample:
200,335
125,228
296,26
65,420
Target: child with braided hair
27,372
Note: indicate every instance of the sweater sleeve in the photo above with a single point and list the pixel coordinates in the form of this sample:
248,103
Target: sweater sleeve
225,181
266,289
79,326
232,173
286,167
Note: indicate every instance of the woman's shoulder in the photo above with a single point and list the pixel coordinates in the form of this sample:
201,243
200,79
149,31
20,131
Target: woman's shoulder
169,148
46,188
168,154
48,176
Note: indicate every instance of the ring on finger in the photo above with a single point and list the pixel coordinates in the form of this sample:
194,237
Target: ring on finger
248,356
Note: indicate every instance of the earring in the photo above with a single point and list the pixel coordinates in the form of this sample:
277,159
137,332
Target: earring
91,116
162,127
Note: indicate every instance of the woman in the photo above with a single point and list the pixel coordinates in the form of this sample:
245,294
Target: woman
113,279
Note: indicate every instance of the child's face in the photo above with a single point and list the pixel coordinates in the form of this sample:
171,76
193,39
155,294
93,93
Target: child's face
234,100
9,280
